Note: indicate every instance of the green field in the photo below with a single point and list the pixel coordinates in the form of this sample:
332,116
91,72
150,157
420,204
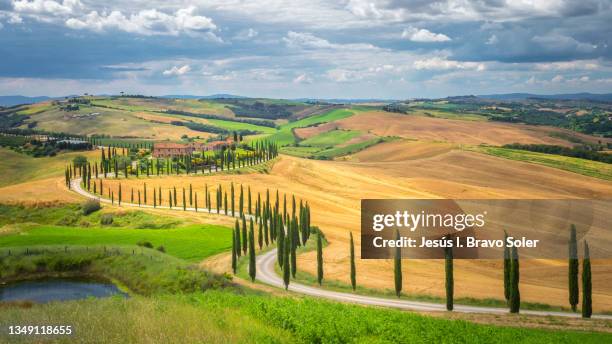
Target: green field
168,291
224,316
17,168
284,136
191,243
350,149
330,138
581,166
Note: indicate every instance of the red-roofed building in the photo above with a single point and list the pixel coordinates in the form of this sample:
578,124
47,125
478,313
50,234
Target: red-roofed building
168,149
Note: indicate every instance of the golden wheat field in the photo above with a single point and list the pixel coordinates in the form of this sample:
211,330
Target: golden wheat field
411,170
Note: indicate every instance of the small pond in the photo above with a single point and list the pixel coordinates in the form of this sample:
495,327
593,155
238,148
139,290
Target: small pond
57,289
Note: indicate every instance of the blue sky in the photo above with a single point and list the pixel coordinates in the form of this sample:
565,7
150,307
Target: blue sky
305,48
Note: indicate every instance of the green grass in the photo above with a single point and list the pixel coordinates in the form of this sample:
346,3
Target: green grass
223,316
139,270
350,149
17,168
330,138
235,126
581,166
191,243
331,116
284,136
162,319
72,215
35,108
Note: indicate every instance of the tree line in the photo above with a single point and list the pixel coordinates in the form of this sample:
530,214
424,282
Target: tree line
115,162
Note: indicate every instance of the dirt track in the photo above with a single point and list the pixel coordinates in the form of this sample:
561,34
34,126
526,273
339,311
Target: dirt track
334,190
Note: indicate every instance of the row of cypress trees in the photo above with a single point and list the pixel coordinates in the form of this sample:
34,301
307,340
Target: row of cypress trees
273,225
573,267
226,159
111,165
511,275
297,231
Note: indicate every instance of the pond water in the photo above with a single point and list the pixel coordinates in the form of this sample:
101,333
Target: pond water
57,289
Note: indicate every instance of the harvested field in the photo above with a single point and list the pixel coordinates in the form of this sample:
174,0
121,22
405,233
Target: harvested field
456,131
334,190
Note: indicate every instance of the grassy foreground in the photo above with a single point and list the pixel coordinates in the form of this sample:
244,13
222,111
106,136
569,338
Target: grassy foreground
224,316
30,227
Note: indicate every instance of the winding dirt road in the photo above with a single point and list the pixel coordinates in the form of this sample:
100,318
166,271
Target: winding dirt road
267,275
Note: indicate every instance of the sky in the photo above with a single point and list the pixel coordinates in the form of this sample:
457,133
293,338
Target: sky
390,49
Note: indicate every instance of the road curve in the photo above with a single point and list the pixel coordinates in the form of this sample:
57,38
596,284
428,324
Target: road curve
267,275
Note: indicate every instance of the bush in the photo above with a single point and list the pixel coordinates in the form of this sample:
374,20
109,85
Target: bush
90,206
144,244
161,248
107,219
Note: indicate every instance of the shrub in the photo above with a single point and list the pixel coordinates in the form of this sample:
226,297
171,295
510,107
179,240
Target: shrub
144,244
90,206
107,219
161,248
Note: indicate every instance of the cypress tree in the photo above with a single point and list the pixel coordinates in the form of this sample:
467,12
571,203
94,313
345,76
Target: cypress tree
252,267
286,267
232,198
507,268
241,203
450,283
293,248
174,200
196,202
184,201
259,235
225,203
170,199
237,239
264,222
139,198
397,267
119,194
145,193
285,208
159,195
573,269
319,258
244,235
249,200
515,295
206,204
234,251
587,303
280,245
154,198
190,195
353,269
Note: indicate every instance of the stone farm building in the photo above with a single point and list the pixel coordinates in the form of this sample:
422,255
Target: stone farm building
169,149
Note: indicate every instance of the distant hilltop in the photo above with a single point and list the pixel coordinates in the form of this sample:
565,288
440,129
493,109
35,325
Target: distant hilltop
607,97
13,100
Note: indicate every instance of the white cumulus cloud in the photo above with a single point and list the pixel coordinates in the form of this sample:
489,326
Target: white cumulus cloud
146,22
437,63
423,35
177,71
47,6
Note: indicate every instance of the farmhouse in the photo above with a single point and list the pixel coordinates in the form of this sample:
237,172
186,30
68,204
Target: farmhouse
167,149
